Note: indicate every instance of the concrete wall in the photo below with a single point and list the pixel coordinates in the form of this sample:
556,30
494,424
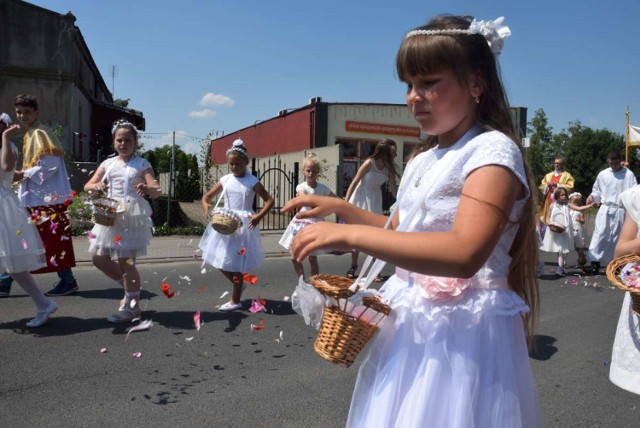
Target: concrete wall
46,56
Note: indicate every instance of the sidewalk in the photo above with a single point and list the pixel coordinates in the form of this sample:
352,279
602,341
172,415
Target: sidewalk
163,248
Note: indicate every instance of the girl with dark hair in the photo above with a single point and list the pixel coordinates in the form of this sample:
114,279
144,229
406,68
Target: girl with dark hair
453,351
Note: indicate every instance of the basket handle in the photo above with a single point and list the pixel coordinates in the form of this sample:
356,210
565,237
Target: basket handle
377,266
219,199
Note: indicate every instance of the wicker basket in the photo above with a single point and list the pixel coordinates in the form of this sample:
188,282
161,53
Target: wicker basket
558,222
342,334
225,221
105,210
556,228
613,273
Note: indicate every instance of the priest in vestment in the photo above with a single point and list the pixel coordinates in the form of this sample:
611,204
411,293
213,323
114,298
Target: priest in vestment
556,178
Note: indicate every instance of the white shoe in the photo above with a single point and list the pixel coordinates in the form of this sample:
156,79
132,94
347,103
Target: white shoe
43,316
228,307
126,315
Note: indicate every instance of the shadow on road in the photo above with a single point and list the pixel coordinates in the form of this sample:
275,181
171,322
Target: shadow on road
543,347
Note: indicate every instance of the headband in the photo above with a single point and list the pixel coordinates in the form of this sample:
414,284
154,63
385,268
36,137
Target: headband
122,123
4,117
493,31
238,147
574,194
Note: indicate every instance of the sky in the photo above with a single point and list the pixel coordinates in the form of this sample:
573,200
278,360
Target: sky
197,67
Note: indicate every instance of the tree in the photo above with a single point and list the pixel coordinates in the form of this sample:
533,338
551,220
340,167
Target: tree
585,152
543,149
187,186
206,179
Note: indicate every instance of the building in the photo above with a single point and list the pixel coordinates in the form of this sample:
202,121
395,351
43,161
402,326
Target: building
48,57
343,134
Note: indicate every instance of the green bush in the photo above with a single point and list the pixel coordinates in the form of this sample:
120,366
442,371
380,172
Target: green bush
80,209
186,230
80,214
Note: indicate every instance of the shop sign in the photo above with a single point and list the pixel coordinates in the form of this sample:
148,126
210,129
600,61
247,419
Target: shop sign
381,128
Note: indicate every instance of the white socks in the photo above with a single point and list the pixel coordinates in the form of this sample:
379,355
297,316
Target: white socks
28,284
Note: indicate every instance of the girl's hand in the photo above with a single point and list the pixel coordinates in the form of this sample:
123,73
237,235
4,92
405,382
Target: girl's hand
253,221
101,187
321,206
206,208
319,236
142,189
11,131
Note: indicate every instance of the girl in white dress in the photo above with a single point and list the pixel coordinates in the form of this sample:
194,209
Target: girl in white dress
453,351
364,191
310,170
577,223
21,249
625,358
127,178
241,251
560,215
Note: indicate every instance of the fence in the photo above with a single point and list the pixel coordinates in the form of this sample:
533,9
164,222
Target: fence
180,206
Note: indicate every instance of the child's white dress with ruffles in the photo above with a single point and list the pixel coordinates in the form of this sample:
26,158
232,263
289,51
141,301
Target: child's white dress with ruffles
242,250
296,224
21,248
368,194
461,362
554,242
130,234
578,230
625,358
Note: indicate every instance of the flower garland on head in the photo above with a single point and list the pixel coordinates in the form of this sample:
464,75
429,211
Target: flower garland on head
493,31
239,148
123,123
4,118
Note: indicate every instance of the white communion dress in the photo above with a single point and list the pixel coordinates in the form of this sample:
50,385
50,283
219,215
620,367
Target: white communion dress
242,250
21,247
625,358
578,230
458,362
130,234
562,242
367,194
296,224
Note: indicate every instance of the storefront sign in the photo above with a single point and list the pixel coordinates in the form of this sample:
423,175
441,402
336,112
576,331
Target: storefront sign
381,128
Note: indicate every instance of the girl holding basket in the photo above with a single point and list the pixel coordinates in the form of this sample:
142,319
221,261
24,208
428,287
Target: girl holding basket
114,246
453,351
240,251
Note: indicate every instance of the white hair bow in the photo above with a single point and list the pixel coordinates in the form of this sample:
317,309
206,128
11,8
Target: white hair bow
493,31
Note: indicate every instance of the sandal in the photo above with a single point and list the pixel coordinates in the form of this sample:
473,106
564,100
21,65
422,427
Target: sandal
351,273
378,278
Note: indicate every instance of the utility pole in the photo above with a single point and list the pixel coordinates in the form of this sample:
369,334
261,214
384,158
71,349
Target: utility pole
113,81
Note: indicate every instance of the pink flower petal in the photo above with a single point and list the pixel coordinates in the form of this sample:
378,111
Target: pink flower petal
24,244
196,320
136,354
257,306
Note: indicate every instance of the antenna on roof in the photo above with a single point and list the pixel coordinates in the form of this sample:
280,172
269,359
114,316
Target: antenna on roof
114,73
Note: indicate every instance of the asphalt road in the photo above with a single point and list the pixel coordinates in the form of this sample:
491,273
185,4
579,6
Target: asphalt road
225,374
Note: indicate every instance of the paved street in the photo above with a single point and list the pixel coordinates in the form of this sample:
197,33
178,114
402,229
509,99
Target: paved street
228,375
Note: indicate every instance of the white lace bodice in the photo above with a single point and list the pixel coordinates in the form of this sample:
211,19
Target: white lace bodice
117,171
434,179
6,177
238,191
